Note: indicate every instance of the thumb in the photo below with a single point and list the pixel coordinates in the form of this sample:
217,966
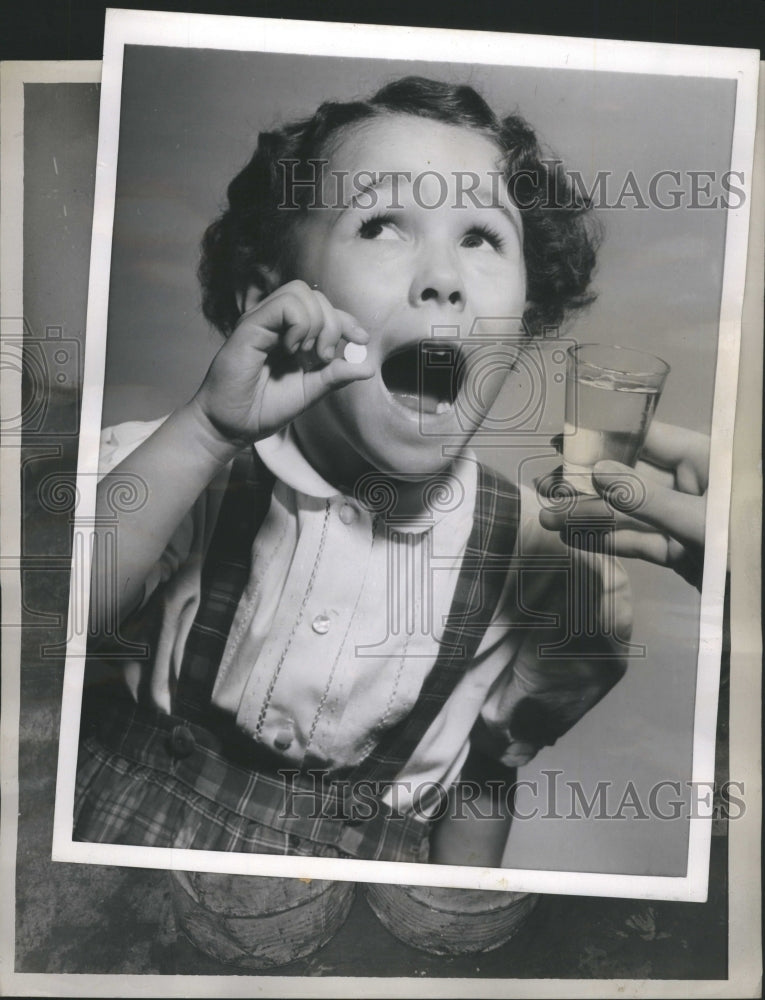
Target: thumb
335,375
680,515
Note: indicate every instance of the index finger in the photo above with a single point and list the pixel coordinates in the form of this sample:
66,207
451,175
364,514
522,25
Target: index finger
347,325
681,515
337,325
667,445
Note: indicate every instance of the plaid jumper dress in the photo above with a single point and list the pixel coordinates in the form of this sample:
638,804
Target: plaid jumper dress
191,779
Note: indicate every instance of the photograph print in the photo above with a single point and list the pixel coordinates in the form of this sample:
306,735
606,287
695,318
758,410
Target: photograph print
407,417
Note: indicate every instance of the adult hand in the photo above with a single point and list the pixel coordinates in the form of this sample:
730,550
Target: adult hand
658,507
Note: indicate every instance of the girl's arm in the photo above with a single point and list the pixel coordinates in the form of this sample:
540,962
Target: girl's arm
174,464
249,393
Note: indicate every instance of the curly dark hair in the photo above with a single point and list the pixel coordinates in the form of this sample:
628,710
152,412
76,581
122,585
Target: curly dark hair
250,241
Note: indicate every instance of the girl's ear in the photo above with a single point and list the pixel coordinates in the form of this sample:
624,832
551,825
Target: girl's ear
250,297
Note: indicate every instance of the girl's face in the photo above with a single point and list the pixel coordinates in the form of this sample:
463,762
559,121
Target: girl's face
425,248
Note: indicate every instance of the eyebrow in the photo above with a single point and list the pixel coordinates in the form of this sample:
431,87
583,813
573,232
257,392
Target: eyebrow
391,178
490,193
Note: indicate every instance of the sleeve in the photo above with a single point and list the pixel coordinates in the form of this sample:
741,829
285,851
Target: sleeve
560,668
116,444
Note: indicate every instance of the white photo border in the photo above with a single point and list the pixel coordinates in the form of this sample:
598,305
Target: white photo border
204,31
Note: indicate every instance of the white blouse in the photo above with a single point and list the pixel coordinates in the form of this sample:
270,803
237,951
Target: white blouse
340,621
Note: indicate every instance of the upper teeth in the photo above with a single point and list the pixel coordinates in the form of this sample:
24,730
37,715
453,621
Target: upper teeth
443,407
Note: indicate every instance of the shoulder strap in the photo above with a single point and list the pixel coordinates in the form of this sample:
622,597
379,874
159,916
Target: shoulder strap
225,572
479,586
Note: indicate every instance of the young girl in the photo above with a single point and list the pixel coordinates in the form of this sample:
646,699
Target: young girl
352,624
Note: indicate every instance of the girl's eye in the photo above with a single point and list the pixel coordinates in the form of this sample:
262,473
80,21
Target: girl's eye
482,237
380,226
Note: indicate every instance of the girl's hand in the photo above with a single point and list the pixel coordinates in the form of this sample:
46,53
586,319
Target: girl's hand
659,506
279,360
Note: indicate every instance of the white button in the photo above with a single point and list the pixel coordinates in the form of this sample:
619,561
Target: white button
283,738
347,514
320,624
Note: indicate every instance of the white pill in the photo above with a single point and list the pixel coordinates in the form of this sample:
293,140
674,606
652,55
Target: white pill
355,353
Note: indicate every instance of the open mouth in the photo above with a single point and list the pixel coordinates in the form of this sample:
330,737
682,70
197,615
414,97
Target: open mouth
426,376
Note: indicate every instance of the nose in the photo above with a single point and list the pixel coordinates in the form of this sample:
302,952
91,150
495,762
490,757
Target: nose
438,279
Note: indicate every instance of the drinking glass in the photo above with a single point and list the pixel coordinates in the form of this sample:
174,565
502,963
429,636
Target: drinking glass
611,395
